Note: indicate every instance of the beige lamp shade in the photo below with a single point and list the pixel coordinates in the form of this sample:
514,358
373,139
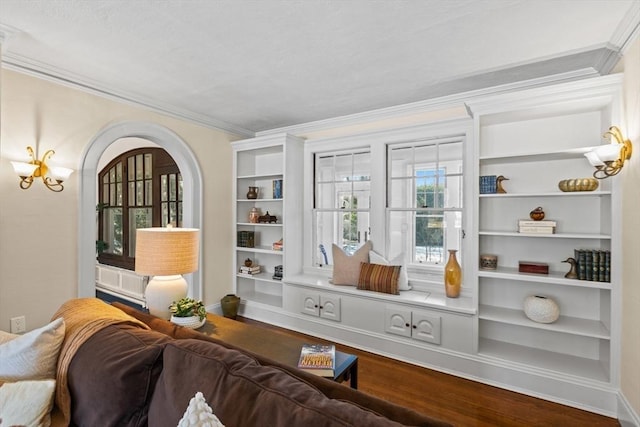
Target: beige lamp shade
166,251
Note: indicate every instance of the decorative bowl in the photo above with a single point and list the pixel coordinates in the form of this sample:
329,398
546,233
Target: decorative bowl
578,184
541,309
191,322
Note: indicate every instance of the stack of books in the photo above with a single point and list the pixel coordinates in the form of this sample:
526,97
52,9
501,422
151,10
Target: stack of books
528,226
277,246
593,264
254,269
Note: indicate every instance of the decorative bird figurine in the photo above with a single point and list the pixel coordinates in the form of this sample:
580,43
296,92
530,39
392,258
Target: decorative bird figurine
499,180
573,273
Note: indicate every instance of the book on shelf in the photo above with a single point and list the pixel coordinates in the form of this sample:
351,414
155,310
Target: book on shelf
277,246
541,223
593,264
255,269
318,359
533,267
536,230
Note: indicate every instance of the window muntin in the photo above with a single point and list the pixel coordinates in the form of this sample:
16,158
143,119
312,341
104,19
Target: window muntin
424,200
152,190
341,202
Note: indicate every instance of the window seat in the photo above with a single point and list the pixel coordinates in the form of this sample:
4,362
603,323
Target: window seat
426,299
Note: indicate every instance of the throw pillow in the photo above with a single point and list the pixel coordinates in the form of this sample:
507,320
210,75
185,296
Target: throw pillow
403,280
199,414
26,403
34,355
379,278
346,269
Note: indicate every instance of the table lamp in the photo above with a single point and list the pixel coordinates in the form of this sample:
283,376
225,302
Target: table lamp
165,254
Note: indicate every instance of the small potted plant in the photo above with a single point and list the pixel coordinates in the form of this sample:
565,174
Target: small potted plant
188,312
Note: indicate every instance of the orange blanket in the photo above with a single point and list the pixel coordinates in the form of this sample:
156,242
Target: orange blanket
83,317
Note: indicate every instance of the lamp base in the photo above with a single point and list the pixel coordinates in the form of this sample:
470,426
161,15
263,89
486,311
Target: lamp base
161,291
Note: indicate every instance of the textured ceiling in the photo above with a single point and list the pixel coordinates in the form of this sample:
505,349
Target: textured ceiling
259,65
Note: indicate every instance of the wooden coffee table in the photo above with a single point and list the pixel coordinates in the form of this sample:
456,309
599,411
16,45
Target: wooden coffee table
274,345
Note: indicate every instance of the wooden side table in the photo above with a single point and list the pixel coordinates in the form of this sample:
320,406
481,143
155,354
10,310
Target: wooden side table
274,345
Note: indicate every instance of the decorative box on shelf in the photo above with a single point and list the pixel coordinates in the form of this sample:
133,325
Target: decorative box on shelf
533,267
246,239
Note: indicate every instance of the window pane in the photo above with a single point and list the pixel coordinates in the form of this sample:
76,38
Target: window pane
112,230
139,193
138,218
119,172
325,196
112,174
173,188
105,193
148,194
324,169
131,168
179,189
119,193
112,194
132,193
348,230
173,214
139,167
425,178
179,214
164,188
165,214
147,166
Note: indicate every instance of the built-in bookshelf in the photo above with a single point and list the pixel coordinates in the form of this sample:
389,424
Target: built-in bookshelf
536,140
273,166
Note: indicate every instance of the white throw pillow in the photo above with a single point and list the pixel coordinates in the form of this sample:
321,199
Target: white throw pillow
403,279
346,268
199,414
34,355
26,403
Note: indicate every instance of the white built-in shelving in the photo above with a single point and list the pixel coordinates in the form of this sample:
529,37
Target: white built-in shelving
259,162
536,140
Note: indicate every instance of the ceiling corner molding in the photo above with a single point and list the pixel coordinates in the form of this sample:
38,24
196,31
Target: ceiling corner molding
42,71
429,105
628,31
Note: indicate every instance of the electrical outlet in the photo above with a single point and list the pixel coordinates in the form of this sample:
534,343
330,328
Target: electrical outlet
18,325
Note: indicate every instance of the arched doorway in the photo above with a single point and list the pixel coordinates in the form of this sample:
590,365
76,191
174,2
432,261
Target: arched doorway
192,196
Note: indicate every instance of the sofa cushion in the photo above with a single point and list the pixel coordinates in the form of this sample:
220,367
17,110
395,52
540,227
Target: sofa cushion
112,376
26,403
244,393
32,356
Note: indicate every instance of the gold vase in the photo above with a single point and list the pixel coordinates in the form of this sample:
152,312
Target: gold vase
452,275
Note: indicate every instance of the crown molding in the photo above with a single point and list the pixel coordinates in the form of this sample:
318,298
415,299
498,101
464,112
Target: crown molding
629,29
429,105
65,78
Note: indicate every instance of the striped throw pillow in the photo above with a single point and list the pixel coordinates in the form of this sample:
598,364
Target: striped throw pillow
379,278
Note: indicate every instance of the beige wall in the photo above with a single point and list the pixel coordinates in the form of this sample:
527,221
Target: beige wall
39,228
630,366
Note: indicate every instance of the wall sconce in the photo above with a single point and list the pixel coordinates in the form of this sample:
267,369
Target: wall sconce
38,169
609,159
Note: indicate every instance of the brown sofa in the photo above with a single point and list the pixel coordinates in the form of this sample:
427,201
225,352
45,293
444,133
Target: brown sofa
125,375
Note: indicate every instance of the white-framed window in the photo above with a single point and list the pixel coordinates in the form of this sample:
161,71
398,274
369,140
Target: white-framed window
425,200
341,202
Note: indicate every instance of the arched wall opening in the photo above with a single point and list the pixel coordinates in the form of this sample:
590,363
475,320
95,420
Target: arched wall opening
192,193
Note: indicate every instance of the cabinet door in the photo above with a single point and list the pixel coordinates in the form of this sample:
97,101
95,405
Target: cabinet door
330,307
310,304
425,327
398,321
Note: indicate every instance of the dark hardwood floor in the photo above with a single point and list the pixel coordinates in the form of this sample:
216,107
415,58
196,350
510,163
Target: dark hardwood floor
452,399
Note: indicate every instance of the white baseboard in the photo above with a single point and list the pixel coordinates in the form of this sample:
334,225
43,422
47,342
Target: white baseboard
627,416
